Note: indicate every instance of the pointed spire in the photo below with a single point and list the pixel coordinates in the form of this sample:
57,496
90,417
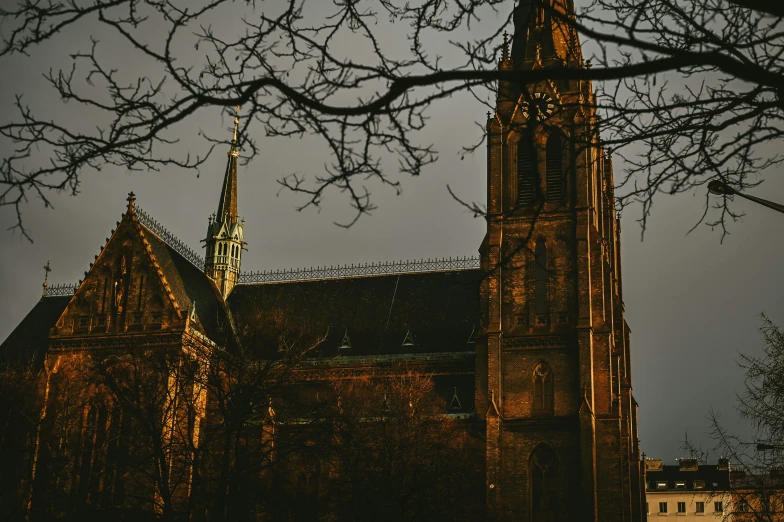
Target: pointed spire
131,200
47,269
227,209
505,63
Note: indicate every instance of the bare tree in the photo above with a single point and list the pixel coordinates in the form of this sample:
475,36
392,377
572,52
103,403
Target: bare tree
757,477
248,386
696,82
387,451
20,409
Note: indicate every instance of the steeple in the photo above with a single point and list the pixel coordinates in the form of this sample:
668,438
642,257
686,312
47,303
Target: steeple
541,34
227,208
225,230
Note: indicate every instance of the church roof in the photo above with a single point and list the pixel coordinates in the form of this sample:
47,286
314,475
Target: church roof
190,285
429,312
30,339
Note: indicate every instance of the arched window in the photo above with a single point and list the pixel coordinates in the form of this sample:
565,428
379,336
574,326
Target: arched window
555,177
307,500
526,169
544,485
543,390
540,278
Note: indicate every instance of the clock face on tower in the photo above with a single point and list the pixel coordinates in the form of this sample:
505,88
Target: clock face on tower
541,105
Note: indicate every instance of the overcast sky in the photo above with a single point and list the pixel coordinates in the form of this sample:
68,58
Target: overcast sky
692,303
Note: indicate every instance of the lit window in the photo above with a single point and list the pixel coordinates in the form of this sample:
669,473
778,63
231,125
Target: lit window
661,485
680,485
718,507
662,507
681,507
700,507
699,484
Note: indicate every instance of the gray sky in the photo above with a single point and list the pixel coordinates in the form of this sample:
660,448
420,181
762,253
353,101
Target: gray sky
692,303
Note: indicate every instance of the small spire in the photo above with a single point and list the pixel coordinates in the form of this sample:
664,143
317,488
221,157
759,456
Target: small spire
47,269
131,201
505,49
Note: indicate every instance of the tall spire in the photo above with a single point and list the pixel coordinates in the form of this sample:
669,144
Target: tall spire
227,208
225,232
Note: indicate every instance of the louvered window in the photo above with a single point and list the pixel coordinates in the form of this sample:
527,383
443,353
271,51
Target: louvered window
526,170
540,278
555,178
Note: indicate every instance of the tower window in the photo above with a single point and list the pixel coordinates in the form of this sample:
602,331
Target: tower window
540,276
543,390
555,178
526,169
544,484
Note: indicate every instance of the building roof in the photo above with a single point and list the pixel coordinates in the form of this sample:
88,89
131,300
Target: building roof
30,339
714,478
191,285
436,312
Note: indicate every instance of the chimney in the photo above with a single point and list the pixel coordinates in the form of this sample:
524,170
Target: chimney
724,464
688,465
654,465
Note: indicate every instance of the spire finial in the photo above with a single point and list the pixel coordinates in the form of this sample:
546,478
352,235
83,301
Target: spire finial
47,269
505,50
131,201
234,152
236,121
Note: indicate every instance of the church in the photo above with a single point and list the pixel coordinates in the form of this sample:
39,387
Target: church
528,341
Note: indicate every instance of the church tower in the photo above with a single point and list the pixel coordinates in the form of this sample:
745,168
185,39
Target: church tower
225,230
553,364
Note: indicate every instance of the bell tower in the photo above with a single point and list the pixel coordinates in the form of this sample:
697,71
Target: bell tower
225,230
553,370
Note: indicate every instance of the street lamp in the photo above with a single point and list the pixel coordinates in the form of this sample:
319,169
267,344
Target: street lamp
722,189
763,447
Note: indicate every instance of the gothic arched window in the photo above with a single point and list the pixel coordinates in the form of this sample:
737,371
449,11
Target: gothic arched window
543,390
540,278
554,170
526,169
544,485
307,499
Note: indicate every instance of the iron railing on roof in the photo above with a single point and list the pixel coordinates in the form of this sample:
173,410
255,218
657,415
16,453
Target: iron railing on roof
361,270
169,238
58,290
